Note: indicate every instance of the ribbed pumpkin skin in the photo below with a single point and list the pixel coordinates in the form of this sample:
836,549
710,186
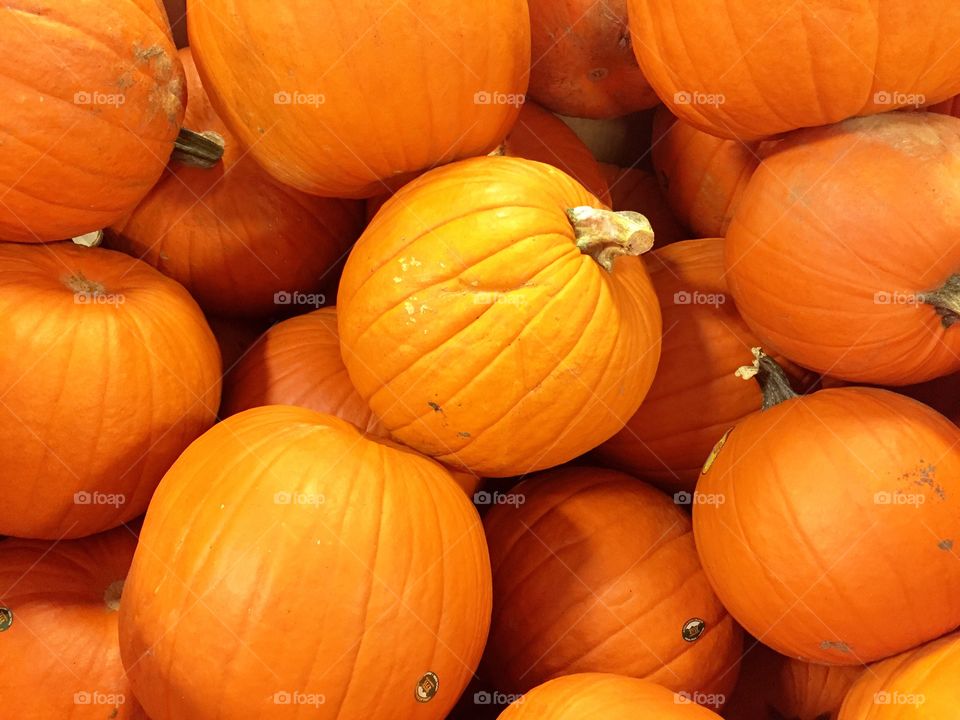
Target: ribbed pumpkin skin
805,485
231,234
600,696
397,88
820,232
920,683
597,572
62,645
393,551
477,331
636,189
87,127
583,65
96,397
778,65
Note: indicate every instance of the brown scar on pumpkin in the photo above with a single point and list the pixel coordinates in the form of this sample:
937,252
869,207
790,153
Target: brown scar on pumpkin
945,544
435,407
841,646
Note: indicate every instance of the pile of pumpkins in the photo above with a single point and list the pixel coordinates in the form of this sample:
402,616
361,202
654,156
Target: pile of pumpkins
340,379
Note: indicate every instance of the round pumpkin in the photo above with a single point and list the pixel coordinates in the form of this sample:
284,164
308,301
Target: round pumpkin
89,126
297,566
636,189
601,696
739,69
818,258
583,63
595,571
366,96
241,243
485,322
108,370
839,514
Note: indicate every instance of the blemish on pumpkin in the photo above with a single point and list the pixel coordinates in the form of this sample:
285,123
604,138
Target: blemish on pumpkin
463,434
435,407
145,55
408,306
598,74
841,646
398,280
945,544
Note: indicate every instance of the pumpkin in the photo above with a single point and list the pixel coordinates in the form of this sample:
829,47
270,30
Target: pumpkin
389,91
583,63
483,319
58,627
816,257
601,696
840,510
636,189
108,370
595,571
739,70
286,539
87,128
695,396
241,243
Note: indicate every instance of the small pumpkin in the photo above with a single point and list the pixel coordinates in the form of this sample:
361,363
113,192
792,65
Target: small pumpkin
865,483
637,189
355,570
108,370
595,571
485,322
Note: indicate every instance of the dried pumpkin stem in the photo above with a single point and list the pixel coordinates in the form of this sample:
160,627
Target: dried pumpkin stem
202,150
91,239
773,381
945,300
78,283
605,235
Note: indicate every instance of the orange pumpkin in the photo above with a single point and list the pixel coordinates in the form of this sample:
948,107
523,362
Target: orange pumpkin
637,189
276,244
817,260
108,371
594,571
89,126
277,497
739,69
390,90
483,319
839,512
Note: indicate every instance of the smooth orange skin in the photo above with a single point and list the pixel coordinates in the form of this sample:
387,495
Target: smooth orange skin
353,598
63,640
600,696
70,167
399,84
232,235
582,62
94,397
477,331
596,571
920,684
836,215
695,396
778,66
801,520
637,189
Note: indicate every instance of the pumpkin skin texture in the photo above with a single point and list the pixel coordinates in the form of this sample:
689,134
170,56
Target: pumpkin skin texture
401,591
107,373
82,147
638,190
477,331
583,63
596,570
739,69
816,255
859,476
372,94
232,235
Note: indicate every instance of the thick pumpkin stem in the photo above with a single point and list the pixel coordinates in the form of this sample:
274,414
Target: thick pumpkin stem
945,300
202,150
92,239
773,381
605,235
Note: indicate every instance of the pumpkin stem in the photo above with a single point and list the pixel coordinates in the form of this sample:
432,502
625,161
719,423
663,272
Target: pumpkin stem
80,284
773,381
605,235
500,150
202,150
91,239
945,300
112,595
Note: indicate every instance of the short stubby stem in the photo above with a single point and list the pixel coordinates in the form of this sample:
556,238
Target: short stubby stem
606,235
773,381
78,283
945,300
202,150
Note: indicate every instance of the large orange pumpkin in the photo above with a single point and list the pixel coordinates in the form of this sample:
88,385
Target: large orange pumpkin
241,243
839,515
108,370
345,102
93,99
833,263
748,70
488,329
289,565
594,571
637,189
